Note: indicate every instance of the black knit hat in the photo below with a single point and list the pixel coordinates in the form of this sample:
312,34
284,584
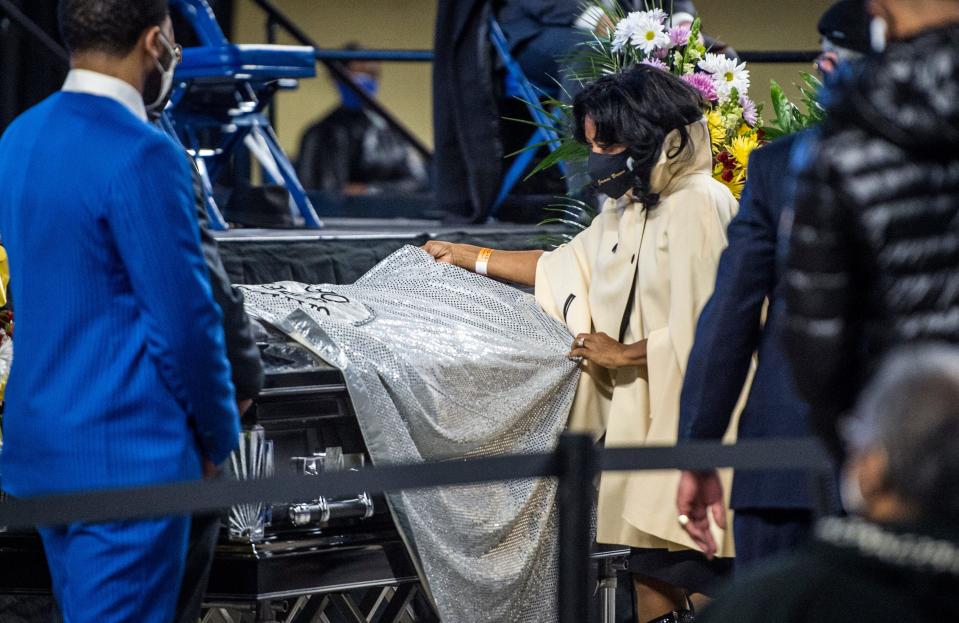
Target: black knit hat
846,24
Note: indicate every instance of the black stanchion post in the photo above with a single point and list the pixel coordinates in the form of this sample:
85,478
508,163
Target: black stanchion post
578,465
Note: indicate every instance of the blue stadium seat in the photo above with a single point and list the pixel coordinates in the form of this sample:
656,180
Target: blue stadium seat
221,92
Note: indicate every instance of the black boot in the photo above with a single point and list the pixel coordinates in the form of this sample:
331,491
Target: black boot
677,616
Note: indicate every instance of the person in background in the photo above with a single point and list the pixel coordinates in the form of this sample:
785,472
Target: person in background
542,33
630,287
354,151
874,249
843,36
774,510
122,378
899,559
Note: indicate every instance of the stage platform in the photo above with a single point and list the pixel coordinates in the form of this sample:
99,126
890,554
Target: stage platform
346,248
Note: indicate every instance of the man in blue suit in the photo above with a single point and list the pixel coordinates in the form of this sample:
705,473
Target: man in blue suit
121,376
774,510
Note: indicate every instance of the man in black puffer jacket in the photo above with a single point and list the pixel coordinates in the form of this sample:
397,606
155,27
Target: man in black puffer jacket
874,252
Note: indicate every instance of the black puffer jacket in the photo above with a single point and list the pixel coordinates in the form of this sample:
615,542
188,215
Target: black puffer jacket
874,251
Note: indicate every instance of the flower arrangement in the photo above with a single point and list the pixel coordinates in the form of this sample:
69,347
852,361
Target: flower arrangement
6,357
648,37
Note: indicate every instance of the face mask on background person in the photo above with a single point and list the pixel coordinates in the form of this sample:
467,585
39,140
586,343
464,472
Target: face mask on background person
351,100
159,86
850,492
878,34
612,174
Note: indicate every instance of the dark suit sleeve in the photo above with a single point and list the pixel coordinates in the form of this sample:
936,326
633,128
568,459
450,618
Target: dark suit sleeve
818,287
552,12
241,349
684,6
678,6
728,331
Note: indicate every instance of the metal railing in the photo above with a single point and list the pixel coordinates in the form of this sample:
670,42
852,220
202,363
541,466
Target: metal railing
277,19
426,56
30,27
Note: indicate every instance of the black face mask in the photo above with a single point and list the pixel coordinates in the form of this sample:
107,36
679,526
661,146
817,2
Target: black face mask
612,174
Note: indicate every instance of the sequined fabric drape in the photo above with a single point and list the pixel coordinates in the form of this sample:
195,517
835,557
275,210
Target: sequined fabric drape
442,364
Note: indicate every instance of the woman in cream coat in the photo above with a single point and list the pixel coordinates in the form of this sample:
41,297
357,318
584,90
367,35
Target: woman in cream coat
631,287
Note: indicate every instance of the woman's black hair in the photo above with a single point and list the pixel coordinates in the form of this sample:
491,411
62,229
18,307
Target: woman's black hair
637,108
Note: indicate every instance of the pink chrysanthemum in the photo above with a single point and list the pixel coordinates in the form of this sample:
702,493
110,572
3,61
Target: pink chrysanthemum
678,36
655,62
750,114
704,84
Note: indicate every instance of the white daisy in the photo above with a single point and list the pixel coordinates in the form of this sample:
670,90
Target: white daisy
657,14
727,74
710,62
643,29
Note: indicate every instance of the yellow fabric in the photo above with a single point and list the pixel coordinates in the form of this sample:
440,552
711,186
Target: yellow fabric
677,247
4,276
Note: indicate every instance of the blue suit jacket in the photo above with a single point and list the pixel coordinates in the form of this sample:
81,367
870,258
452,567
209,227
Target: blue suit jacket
121,375
729,332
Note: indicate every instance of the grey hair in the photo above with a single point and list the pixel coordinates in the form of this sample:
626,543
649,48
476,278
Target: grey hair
910,409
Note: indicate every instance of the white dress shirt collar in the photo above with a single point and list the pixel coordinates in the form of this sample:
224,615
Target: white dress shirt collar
94,83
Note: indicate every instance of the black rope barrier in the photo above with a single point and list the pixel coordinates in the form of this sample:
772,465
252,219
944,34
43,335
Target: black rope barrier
192,497
802,454
575,464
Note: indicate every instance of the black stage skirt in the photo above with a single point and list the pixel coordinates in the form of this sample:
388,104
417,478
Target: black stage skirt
684,569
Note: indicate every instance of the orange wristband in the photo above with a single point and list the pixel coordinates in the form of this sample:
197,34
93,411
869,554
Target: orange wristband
482,261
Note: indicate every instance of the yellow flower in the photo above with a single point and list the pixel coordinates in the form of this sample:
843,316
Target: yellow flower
717,128
736,185
740,149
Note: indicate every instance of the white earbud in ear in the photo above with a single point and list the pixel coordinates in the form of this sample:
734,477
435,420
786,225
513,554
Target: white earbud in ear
878,34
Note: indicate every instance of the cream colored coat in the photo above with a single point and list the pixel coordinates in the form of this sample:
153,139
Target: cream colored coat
586,284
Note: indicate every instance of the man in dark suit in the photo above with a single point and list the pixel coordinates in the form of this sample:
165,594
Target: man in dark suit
774,510
730,330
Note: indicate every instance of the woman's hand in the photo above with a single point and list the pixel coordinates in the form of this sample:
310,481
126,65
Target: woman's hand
600,349
604,351
514,266
442,252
